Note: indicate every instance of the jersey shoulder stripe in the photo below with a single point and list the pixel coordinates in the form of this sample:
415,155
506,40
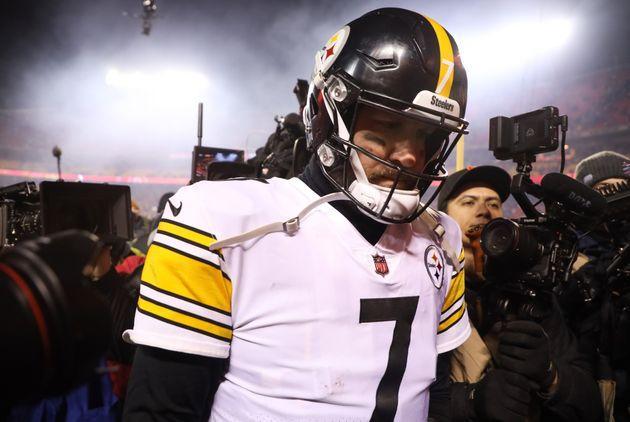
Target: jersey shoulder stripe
456,289
447,312
453,319
182,298
195,231
188,235
146,298
183,321
188,255
187,276
453,327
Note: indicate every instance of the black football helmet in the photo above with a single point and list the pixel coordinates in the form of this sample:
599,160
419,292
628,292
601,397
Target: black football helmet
393,60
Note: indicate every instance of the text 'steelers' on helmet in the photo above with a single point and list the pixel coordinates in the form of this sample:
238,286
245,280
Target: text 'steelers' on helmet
396,61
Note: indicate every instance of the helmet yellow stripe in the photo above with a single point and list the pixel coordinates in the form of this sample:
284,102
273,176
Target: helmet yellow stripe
447,65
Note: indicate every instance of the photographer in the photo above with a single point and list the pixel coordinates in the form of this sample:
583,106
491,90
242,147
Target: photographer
598,305
602,169
509,369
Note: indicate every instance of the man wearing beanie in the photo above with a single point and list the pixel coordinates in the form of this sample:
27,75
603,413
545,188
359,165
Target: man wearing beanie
603,168
603,171
516,370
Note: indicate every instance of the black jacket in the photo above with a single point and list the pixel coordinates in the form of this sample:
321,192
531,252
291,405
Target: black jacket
577,397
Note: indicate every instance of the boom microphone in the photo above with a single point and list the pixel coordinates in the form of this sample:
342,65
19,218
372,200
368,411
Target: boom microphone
574,195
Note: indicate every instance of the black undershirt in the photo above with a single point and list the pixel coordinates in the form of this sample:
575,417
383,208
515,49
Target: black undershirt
173,386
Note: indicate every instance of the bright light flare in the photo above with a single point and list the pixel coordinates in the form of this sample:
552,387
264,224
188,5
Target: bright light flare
515,44
165,84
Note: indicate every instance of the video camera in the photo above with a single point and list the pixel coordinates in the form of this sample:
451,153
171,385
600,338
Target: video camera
535,253
27,212
57,326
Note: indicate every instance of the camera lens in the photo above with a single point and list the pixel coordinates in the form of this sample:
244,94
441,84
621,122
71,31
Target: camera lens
510,244
499,237
59,325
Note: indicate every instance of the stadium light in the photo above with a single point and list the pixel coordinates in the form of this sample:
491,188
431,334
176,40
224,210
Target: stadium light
515,43
170,85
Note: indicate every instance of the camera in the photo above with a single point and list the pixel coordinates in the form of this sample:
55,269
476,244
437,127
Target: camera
56,326
532,255
534,132
20,214
27,211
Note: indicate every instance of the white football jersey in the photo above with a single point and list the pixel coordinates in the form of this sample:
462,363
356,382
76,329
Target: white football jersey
318,326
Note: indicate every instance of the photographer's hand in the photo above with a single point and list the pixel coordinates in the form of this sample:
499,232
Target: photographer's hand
524,348
500,396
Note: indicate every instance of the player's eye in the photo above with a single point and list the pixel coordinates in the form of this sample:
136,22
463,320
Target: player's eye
370,136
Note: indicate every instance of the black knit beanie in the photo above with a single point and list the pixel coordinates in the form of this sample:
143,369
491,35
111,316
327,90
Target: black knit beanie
601,166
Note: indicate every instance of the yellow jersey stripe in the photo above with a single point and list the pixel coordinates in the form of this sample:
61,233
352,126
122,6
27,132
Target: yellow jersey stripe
190,242
444,311
187,227
184,320
453,319
447,63
456,289
185,299
188,233
184,312
188,255
188,277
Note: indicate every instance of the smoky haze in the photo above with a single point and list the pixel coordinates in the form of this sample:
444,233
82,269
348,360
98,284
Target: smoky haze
81,74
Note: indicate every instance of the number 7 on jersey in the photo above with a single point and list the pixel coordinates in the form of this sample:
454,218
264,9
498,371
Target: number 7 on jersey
402,310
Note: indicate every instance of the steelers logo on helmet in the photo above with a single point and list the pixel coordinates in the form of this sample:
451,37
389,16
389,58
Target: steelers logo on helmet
329,53
398,63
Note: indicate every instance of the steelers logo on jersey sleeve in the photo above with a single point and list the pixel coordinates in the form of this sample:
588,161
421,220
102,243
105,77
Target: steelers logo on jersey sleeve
434,263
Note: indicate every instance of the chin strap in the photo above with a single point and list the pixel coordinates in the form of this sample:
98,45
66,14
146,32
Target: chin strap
290,227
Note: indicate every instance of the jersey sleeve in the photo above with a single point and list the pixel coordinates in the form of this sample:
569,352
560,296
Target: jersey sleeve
185,293
454,327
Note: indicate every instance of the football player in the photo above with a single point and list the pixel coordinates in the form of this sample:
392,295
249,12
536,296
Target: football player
326,297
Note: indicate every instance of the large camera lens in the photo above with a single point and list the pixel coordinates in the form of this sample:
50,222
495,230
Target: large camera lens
499,238
55,326
510,244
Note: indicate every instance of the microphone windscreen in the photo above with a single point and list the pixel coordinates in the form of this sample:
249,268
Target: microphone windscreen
574,195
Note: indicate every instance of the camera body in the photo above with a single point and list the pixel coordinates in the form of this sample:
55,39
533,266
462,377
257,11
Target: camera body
20,214
27,211
531,133
529,256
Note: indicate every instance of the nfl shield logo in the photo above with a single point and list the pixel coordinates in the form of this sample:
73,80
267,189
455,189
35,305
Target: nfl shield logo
380,265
